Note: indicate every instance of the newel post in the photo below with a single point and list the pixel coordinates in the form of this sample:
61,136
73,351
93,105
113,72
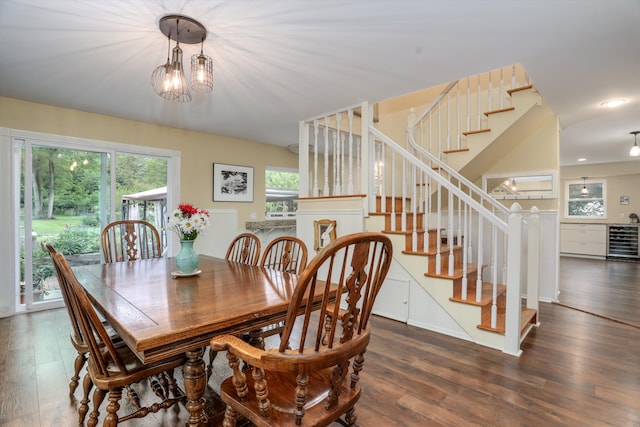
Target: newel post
303,159
367,156
514,291
533,262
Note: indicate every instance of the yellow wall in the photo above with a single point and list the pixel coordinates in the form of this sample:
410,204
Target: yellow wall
537,152
623,179
199,150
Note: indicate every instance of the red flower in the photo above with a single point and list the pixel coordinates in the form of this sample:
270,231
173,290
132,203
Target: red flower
188,210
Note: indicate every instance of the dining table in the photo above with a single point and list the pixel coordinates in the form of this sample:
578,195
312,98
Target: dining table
159,313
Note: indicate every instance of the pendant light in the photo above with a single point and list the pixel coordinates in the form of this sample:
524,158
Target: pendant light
635,150
168,80
161,77
202,72
584,190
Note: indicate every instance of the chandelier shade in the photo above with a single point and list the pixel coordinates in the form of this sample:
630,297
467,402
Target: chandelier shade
168,80
202,72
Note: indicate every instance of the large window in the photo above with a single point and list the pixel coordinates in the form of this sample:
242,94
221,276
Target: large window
586,199
282,192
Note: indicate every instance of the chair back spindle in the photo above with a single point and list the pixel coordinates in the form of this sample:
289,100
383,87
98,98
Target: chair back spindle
285,253
130,240
245,248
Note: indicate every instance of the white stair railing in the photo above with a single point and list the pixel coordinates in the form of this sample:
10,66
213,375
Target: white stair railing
492,238
466,102
462,227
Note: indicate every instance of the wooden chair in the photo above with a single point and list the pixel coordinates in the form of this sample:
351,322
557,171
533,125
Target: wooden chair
245,248
113,367
76,340
285,253
130,240
310,384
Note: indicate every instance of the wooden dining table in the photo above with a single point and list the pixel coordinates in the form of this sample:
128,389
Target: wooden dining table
159,315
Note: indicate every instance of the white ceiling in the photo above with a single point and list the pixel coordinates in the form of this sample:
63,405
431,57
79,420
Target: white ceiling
277,62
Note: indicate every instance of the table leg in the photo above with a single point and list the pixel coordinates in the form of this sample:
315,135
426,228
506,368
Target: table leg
195,383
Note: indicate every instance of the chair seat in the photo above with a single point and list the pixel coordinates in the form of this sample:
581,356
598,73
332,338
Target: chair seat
282,385
136,370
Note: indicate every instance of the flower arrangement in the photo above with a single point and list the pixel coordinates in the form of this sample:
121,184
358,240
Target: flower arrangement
187,221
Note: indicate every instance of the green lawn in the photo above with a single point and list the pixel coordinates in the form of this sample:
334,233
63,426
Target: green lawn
55,226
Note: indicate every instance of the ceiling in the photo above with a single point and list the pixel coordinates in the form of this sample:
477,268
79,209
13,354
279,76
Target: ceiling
277,62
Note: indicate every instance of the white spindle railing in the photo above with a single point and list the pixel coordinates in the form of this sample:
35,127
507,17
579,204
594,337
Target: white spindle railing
342,162
468,100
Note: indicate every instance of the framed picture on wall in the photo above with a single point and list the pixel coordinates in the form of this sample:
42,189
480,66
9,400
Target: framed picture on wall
232,183
324,231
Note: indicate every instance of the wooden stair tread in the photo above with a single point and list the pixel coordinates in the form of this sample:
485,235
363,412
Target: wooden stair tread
527,316
502,110
518,89
459,150
457,272
487,295
410,232
472,132
444,251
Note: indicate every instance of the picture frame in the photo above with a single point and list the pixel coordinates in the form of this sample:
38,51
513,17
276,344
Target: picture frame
624,200
232,183
324,231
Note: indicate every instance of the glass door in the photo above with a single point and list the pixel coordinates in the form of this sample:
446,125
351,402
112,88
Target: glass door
67,196
64,200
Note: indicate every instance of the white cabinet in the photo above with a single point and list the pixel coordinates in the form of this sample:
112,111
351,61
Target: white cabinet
583,239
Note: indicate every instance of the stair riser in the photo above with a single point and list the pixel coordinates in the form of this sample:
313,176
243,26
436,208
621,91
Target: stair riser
501,304
420,241
444,259
389,220
388,204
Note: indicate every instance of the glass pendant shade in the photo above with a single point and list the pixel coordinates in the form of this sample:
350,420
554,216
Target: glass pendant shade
202,73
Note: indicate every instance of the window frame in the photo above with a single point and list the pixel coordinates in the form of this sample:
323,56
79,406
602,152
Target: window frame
285,214
568,199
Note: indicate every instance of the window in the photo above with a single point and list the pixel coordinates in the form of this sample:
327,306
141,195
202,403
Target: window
586,199
282,191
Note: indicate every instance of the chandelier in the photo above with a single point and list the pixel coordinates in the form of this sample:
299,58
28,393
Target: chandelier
168,80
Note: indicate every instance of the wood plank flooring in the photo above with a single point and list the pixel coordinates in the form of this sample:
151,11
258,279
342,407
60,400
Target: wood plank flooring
607,288
576,370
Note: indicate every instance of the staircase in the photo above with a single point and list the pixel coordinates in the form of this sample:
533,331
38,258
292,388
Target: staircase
465,250
426,249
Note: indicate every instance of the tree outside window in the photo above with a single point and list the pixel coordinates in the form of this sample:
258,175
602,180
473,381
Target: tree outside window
281,192
589,203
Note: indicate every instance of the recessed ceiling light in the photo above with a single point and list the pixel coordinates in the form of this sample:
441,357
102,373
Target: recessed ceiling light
582,159
613,103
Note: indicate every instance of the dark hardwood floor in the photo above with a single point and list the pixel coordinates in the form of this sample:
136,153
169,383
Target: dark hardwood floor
607,288
577,369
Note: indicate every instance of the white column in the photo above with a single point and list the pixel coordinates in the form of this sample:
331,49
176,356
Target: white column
303,159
